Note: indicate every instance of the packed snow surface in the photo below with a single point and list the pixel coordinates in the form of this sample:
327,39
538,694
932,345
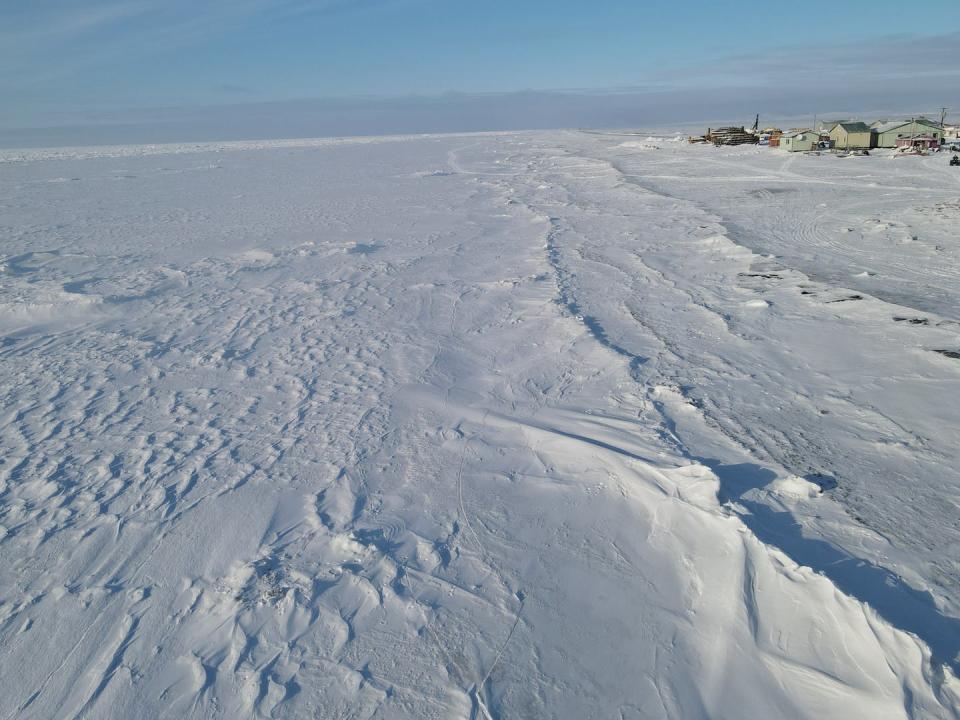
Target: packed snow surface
557,425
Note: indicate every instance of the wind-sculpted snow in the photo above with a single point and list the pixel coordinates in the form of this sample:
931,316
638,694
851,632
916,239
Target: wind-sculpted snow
480,427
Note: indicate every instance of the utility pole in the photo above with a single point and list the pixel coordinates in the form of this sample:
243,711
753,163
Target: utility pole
943,116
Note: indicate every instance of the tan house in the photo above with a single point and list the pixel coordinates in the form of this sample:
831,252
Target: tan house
851,136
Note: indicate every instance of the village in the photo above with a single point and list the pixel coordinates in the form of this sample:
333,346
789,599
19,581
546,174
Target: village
904,136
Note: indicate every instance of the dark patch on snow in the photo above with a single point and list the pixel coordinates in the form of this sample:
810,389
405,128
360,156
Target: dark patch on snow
443,551
765,276
78,287
29,262
375,538
954,354
763,192
397,583
911,320
364,249
824,482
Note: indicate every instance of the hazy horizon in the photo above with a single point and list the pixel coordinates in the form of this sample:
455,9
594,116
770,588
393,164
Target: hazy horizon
115,71
459,113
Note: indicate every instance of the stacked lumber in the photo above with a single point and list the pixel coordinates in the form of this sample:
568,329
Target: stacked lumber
731,136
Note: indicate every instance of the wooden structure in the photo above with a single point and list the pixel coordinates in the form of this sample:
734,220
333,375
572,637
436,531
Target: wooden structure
731,136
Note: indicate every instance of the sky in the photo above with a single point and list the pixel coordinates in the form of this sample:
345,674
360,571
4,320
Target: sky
255,67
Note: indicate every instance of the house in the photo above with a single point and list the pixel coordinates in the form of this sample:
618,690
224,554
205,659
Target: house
889,134
825,126
799,140
851,136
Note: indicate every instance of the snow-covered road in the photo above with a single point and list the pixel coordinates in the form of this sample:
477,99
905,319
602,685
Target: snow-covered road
492,426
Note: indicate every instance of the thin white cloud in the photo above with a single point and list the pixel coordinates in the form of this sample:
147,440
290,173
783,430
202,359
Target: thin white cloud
50,39
895,57
40,26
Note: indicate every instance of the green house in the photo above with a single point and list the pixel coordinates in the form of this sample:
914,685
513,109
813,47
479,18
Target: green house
799,141
886,134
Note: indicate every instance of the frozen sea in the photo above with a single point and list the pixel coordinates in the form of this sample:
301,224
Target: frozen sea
537,425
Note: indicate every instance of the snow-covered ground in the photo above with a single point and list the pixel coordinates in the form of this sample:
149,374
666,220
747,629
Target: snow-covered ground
557,425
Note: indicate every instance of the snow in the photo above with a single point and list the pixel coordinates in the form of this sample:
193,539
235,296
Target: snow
505,425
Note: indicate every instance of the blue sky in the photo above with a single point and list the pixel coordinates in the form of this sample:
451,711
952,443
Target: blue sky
78,61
